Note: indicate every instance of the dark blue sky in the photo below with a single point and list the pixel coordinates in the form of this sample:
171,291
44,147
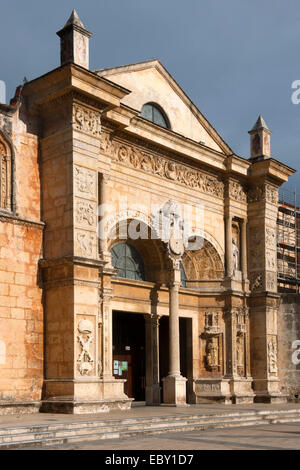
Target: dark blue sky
234,58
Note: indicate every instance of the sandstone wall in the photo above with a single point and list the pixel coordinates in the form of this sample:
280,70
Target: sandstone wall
21,312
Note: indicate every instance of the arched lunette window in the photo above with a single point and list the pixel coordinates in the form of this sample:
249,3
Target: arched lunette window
127,260
154,113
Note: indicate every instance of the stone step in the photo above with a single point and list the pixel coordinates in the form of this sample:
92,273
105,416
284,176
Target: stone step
48,434
158,420
79,429
54,441
145,420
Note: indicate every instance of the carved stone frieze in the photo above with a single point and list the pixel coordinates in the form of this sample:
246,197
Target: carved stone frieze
160,166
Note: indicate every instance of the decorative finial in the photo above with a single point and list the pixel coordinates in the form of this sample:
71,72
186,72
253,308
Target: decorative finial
260,140
74,42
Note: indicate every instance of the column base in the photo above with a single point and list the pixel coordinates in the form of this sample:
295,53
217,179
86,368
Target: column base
174,390
268,391
153,393
241,390
88,395
67,405
214,390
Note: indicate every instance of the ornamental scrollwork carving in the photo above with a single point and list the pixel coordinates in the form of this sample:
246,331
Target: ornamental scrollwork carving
162,167
85,182
85,360
86,243
272,354
237,191
85,213
265,192
86,120
5,177
256,281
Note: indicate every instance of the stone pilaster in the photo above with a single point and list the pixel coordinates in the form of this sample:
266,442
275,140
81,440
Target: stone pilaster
262,216
152,360
82,380
103,210
237,353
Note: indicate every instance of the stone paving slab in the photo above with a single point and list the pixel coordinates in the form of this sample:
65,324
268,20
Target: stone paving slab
139,410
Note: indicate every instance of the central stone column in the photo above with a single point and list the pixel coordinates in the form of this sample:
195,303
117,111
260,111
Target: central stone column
174,385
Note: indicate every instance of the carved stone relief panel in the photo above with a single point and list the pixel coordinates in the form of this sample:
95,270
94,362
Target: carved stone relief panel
237,191
271,281
212,353
85,213
212,337
256,281
86,244
86,120
85,185
86,348
240,353
272,354
271,260
271,237
265,192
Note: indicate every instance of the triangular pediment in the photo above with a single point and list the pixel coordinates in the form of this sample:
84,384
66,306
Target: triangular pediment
150,82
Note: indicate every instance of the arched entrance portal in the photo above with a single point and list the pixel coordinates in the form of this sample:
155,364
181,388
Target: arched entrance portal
141,314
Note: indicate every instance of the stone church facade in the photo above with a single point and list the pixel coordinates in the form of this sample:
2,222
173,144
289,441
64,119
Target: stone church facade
137,250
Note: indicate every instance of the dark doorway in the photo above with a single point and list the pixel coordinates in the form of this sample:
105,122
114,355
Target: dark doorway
186,352
129,352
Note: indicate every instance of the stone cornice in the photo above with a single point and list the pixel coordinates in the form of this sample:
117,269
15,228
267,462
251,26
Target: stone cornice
166,139
271,169
74,260
128,120
16,220
73,77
